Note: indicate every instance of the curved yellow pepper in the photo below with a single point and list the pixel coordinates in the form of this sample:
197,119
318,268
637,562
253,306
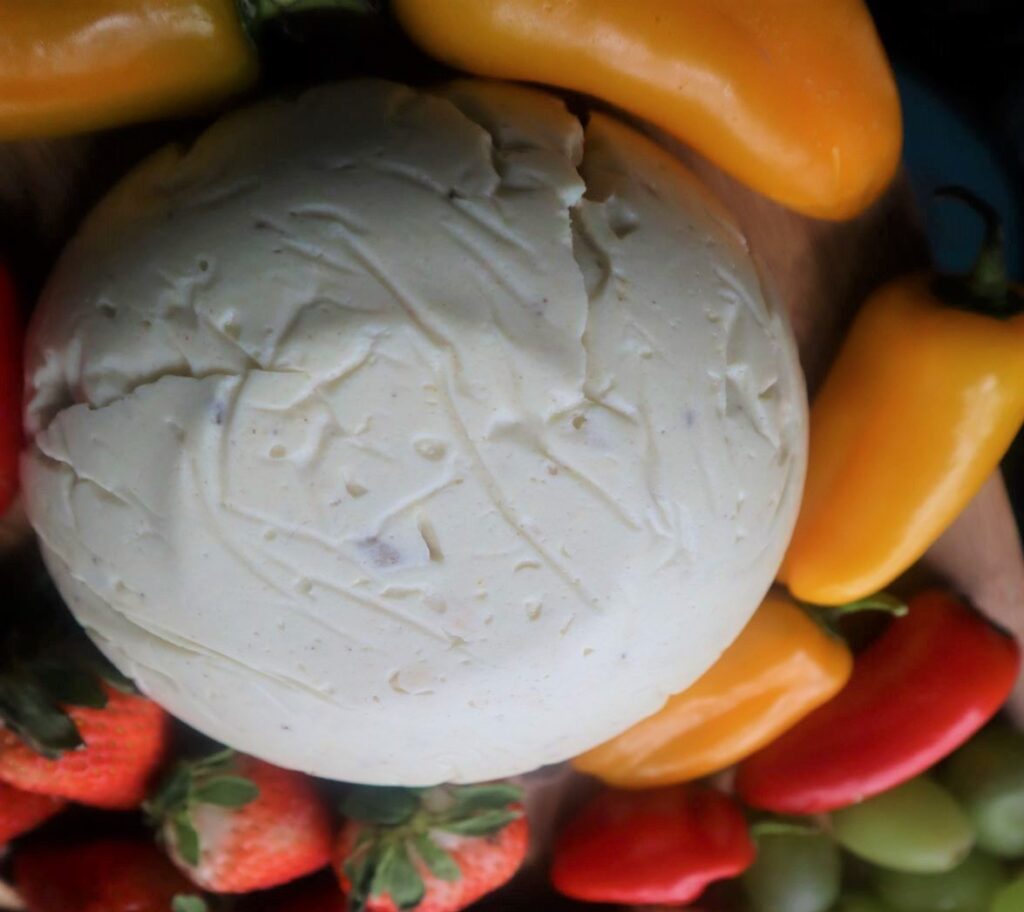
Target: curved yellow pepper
793,97
921,404
781,667
68,66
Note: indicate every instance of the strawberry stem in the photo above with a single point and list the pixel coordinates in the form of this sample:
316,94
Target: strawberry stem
207,780
398,826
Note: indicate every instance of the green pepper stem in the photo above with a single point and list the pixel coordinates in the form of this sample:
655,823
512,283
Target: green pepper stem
882,601
986,288
779,826
829,616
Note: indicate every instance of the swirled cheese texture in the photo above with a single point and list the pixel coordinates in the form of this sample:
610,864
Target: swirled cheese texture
402,436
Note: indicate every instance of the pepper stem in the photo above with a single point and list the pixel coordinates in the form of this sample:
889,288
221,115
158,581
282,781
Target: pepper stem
882,601
255,13
829,616
986,288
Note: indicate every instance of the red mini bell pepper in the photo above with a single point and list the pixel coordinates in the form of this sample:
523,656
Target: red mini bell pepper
917,693
10,390
656,846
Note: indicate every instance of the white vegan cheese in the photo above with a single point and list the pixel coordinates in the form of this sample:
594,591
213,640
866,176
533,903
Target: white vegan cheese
402,436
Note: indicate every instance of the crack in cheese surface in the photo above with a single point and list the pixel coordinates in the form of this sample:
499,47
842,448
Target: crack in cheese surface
404,436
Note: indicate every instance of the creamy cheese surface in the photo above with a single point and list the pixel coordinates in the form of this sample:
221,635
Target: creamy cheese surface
403,437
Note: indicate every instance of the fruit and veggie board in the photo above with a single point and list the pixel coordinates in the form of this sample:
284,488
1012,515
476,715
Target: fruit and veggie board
822,271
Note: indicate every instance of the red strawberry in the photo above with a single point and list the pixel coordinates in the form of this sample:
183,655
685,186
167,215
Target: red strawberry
122,738
102,876
235,824
433,850
70,724
23,811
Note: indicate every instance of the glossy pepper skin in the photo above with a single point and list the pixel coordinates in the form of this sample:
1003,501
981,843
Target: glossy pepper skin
930,681
10,389
72,65
793,97
780,668
916,412
658,846
68,66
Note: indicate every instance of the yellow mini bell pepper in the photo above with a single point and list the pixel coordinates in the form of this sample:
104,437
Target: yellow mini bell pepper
780,668
68,66
793,97
920,405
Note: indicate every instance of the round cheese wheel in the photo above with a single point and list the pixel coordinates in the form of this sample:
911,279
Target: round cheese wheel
406,436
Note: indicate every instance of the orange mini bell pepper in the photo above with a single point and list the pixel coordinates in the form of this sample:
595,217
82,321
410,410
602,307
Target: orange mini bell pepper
793,97
926,395
68,66
780,668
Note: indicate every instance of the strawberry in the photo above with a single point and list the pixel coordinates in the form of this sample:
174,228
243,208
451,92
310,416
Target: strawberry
70,724
102,752
235,824
433,850
102,876
23,811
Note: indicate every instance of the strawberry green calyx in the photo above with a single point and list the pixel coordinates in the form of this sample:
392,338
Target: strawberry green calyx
46,665
206,781
37,685
188,903
399,826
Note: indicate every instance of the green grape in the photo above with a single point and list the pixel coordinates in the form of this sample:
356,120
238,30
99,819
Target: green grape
987,775
1011,897
793,872
969,887
916,827
860,902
